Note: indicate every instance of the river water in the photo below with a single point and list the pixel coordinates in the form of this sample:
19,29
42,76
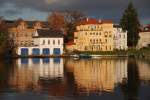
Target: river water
75,79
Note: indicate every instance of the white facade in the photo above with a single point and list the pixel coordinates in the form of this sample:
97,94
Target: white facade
120,39
41,43
144,40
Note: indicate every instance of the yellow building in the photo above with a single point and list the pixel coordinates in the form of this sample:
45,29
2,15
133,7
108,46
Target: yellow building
94,35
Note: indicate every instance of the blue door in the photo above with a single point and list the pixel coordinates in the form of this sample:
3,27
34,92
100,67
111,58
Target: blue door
56,51
35,51
46,51
24,51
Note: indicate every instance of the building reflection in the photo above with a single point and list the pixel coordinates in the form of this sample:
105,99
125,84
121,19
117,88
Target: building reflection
59,77
144,70
98,75
31,73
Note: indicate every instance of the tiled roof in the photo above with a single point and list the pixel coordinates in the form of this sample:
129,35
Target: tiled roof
43,33
93,21
146,29
30,24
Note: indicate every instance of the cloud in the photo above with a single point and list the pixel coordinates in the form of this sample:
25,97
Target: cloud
111,9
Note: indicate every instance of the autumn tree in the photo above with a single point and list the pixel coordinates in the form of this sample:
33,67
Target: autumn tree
65,21
56,21
131,23
3,36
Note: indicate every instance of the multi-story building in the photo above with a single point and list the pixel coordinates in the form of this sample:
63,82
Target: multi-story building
144,40
94,35
45,42
120,38
98,35
21,31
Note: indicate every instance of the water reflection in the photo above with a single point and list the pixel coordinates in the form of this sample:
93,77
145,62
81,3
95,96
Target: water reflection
121,78
28,75
98,75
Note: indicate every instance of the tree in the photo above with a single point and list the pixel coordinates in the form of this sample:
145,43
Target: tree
131,23
65,21
72,18
3,37
56,21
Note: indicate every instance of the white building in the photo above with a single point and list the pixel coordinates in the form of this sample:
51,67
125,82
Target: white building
144,40
45,42
120,38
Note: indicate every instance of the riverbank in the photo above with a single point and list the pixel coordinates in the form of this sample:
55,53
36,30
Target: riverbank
134,53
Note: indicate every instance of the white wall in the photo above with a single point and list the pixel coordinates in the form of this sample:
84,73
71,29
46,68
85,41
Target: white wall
144,40
39,44
120,39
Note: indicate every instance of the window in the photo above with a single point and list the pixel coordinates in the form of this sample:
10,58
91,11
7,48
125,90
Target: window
106,40
93,41
54,42
48,41
58,42
106,33
97,41
43,42
124,36
100,40
90,40
110,35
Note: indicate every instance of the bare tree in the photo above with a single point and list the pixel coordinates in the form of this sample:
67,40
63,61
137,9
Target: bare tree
56,21
72,18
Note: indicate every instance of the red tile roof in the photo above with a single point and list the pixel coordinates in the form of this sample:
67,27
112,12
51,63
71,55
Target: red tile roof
93,21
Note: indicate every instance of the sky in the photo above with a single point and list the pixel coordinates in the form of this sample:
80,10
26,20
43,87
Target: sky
102,9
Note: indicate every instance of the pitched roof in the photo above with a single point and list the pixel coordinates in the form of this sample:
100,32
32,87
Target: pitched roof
93,21
146,28
30,24
43,33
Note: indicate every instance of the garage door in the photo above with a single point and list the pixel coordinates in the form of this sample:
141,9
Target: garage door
36,51
56,51
46,51
24,51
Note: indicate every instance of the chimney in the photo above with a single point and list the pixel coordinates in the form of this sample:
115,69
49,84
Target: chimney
87,19
100,21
